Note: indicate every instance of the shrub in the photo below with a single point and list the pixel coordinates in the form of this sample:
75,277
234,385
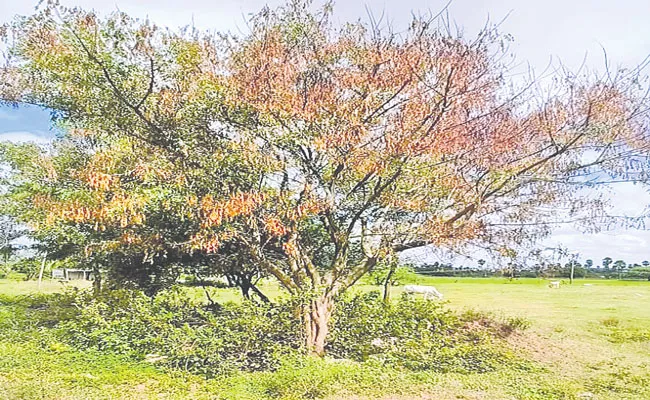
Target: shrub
29,267
517,324
5,269
182,334
638,273
192,280
413,333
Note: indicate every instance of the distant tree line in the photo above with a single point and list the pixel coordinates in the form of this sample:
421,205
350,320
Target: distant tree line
609,269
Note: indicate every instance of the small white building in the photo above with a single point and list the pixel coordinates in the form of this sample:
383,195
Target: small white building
67,274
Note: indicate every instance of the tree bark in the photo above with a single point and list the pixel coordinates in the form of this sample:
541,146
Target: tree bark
388,284
317,318
245,289
97,281
245,283
205,290
40,272
231,280
259,293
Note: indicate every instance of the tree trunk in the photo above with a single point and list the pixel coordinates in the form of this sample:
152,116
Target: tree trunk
97,281
205,290
259,293
245,289
231,280
317,324
387,285
572,269
40,273
245,283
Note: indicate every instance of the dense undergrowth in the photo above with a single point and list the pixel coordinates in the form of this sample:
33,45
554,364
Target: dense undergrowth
173,331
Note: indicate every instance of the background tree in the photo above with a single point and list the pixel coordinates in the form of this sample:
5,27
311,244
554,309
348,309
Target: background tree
9,232
573,269
389,273
319,151
619,266
639,273
607,261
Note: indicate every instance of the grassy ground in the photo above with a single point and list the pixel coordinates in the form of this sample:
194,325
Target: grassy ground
15,287
589,340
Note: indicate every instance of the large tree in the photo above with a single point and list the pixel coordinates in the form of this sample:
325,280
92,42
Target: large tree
318,151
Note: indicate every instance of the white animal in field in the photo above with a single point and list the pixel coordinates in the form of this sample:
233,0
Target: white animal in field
554,284
428,291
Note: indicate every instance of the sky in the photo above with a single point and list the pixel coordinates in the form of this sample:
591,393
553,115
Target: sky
567,31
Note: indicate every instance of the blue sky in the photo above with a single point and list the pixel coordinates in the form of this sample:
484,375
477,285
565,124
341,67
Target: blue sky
569,31
26,123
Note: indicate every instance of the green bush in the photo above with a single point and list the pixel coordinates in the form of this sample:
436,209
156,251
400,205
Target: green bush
177,332
30,267
639,273
413,333
516,324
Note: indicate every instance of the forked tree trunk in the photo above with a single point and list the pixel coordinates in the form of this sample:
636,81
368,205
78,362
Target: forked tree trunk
245,283
316,321
259,293
245,288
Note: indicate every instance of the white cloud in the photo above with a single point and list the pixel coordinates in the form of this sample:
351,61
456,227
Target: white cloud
23,137
629,199
628,245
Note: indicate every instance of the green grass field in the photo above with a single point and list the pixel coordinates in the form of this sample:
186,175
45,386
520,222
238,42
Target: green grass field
589,340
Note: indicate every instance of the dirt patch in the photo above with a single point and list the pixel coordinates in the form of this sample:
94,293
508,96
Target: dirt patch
566,355
500,329
538,348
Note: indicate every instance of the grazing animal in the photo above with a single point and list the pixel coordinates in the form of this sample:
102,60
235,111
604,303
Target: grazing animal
554,285
428,291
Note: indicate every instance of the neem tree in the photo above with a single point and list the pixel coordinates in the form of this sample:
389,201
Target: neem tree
317,151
